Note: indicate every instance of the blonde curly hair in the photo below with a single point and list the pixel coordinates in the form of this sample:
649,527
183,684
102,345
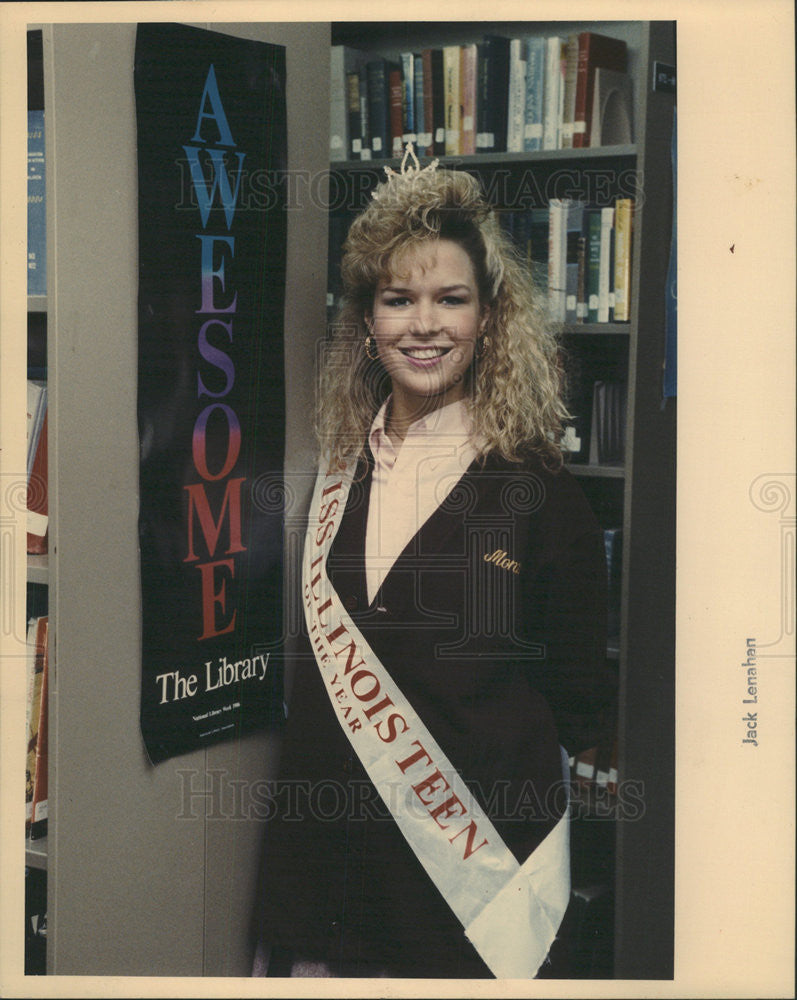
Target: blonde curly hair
516,386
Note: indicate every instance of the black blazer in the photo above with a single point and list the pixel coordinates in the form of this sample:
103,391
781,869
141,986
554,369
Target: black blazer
492,624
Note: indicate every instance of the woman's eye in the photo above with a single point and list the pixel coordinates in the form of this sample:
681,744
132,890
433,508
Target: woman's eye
399,300
453,300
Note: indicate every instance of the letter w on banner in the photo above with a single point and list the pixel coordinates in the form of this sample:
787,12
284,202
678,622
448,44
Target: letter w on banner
212,232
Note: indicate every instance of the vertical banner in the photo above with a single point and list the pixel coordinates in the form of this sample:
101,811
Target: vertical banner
211,123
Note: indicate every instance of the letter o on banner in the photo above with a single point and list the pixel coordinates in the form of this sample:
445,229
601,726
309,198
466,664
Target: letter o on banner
370,692
199,444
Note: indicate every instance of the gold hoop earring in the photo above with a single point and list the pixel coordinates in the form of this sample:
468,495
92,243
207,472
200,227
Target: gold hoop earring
370,345
482,346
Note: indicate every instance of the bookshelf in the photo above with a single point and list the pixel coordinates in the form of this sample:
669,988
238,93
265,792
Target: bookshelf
637,494
167,896
37,597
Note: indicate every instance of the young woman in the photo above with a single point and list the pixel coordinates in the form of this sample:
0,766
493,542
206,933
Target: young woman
454,592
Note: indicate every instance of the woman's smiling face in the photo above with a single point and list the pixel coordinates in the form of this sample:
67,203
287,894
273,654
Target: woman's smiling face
426,320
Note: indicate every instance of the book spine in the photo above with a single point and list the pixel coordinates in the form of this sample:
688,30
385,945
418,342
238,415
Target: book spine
485,138
538,248
37,497
338,106
423,140
557,247
353,111
517,96
574,224
604,281
561,96
36,408
535,85
569,95
499,90
378,103
553,73
593,263
365,116
580,110
396,112
37,705
624,209
39,796
428,99
30,667
594,50
37,238
408,98
438,102
451,67
596,430
581,284
468,99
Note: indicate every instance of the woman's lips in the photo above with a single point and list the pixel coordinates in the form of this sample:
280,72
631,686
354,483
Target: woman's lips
424,357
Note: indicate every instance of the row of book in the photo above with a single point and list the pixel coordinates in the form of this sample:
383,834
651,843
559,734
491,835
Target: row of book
499,95
36,728
37,482
597,434
578,256
596,767
581,257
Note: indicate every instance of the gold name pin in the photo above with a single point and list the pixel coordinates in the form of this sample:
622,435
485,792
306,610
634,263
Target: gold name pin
501,559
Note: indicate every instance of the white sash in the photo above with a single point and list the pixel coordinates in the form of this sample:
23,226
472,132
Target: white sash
510,912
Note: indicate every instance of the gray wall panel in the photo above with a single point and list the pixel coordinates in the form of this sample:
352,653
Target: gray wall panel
136,888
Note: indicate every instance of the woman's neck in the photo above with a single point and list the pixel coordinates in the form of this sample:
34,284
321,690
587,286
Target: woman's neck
401,414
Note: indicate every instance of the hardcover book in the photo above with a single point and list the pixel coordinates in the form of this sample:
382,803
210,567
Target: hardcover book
535,90
453,99
397,126
569,91
434,101
36,409
409,129
553,96
516,115
594,50
378,107
623,226
343,61
423,136
573,245
365,116
37,230
606,268
593,262
468,99
493,94
557,255
37,496
35,770
353,111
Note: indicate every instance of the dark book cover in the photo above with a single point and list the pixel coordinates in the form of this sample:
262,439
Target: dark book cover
594,50
493,94
353,114
37,221
378,107
365,116
436,116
